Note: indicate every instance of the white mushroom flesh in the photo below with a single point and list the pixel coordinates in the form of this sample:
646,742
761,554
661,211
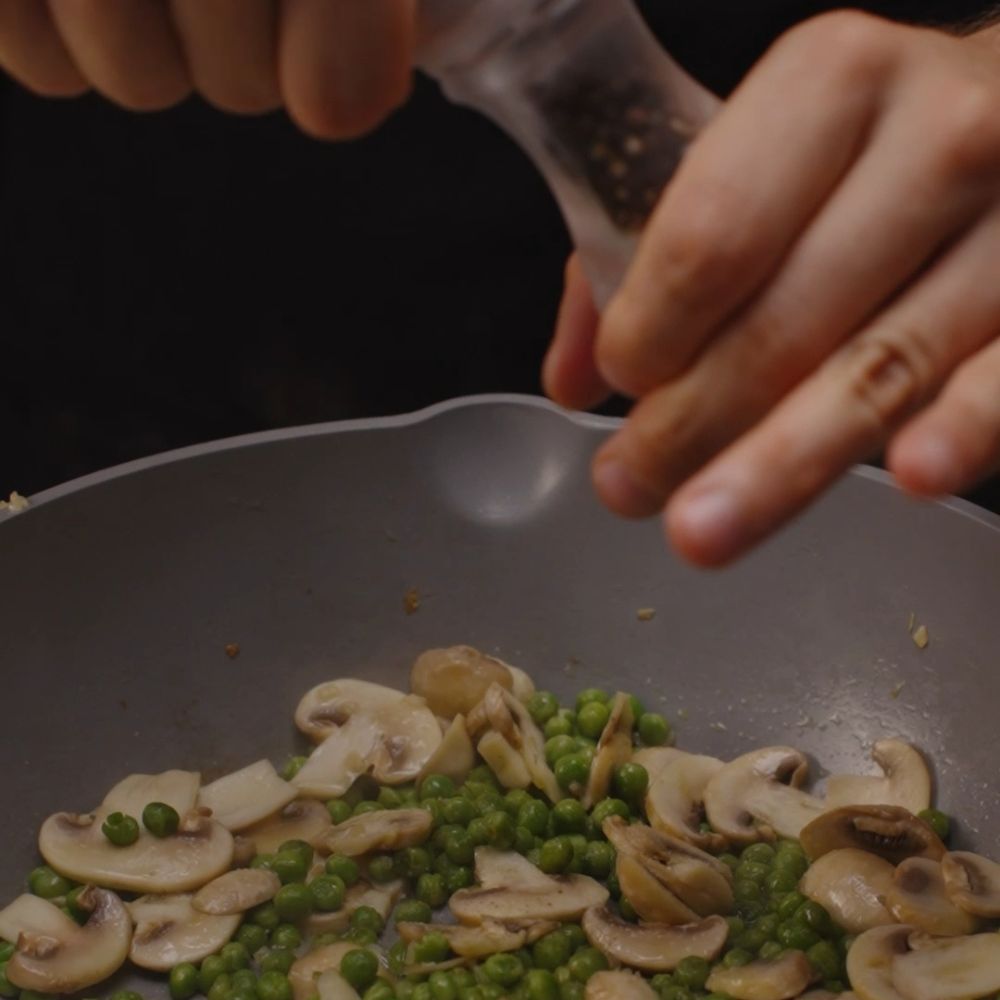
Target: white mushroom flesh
951,969
131,795
487,938
653,947
455,756
675,800
58,956
870,961
455,680
614,748
888,831
522,686
565,897
917,896
381,898
618,986
532,746
331,985
341,759
237,891
972,883
169,930
247,796
330,705
305,971
781,978
504,761
851,885
905,781
304,819
383,830
497,869
410,737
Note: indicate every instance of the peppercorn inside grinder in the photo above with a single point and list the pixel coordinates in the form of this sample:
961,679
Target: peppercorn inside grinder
586,90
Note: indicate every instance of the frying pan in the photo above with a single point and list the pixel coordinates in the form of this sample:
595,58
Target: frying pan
122,589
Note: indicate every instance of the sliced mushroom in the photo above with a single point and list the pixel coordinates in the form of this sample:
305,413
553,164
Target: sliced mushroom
950,969
905,781
614,748
657,873
653,947
483,939
330,706
131,795
75,847
676,796
972,883
655,759
383,830
237,891
758,796
455,680
522,686
169,930
305,971
381,898
780,978
564,897
870,961
247,796
304,819
619,986
917,896
410,736
244,851
888,831
341,759
504,761
851,885
507,869
455,756
54,954
331,985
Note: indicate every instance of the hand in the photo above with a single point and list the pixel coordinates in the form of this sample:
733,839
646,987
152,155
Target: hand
821,279
338,66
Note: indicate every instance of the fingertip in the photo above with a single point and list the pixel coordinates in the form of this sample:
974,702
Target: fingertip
620,491
327,113
925,462
706,529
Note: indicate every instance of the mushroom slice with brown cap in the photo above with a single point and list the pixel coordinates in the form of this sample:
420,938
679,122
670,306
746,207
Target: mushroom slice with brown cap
381,898
781,978
888,831
870,961
383,830
532,747
304,819
75,847
563,897
303,974
330,706
972,883
614,748
619,986
851,885
53,954
487,938
504,761
341,759
949,969
497,869
247,796
657,872
905,781
455,756
131,795
410,736
653,947
758,796
675,801
237,891
455,680
169,930
917,896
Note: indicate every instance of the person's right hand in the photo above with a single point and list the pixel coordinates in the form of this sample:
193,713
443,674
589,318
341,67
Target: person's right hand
338,66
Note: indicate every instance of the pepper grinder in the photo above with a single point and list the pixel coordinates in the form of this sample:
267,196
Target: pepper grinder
587,91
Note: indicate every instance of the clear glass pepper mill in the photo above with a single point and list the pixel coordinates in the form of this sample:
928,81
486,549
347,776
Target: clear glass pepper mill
587,91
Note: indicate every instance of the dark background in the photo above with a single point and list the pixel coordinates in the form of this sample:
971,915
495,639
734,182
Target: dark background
176,277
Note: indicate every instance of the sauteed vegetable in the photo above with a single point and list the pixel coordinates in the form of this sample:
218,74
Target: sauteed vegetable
473,839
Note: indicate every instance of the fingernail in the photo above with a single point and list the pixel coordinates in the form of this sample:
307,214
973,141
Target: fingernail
620,491
710,524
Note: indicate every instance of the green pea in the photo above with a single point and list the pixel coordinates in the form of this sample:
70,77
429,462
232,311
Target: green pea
478,832
262,861
431,948
292,766
460,877
770,949
938,821
592,718
558,747
540,984
252,937
552,950
780,881
47,883
588,695
458,810
183,982
561,724
389,798
500,828
414,861
762,854
654,730
234,956
737,957
746,891
556,855
574,934
211,968
503,969
343,868
161,819
585,963
360,968
339,810
442,986
244,981
290,866
569,816
422,991
437,786
813,916
286,936
412,911
276,960
120,829
793,934
631,781
368,806
379,990
274,985
367,918
693,972
460,847
572,770
825,959
431,889
361,936
752,871
7,988
730,861
382,868
514,799
328,892
221,989
789,905
610,807
293,901
628,911
571,990
542,705
489,801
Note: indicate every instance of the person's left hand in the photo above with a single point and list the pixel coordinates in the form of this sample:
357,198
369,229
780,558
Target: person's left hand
820,279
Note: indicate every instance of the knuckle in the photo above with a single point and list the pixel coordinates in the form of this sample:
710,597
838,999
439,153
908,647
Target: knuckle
968,133
889,376
848,46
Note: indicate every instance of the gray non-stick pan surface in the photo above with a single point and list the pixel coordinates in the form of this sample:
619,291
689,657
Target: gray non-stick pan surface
121,590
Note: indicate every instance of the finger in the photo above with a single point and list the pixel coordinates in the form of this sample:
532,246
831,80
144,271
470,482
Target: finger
344,64
744,193
32,52
878,230
846,411
569,373
955,443
231,51
127,49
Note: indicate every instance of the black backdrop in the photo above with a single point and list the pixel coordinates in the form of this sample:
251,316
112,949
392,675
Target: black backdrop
176,277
